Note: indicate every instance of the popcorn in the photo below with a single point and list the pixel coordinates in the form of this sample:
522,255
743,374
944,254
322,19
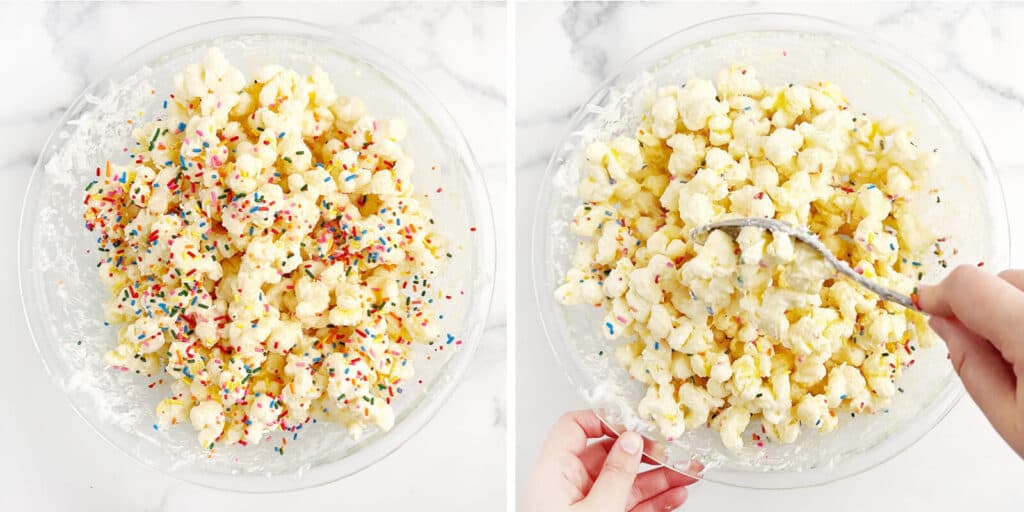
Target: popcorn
264,248
733,329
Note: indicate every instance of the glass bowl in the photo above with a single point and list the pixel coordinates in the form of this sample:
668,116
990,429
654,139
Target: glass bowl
877,79
62,293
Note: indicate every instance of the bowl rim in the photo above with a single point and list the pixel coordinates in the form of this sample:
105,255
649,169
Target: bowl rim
775,22
444,384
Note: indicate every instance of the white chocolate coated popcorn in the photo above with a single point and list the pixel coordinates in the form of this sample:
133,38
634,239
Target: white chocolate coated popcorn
265,251
730,330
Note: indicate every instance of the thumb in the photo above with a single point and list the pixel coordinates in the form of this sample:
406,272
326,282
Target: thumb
614,484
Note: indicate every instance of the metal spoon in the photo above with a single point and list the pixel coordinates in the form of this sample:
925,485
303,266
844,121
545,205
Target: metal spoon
811,239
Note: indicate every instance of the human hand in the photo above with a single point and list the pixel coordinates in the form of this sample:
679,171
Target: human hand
981,317
600,477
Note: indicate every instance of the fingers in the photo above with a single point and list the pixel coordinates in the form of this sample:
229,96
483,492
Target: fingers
557,478
614,431
988,378
668,500
593,458
611,490
985,304
571,432
654,482
1014,277
594,455
654,452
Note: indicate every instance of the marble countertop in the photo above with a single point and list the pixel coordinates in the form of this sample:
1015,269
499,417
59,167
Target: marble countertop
52,460
566,51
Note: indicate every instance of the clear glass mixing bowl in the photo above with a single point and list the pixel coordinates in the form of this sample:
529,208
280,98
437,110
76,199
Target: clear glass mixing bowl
877,79
62,292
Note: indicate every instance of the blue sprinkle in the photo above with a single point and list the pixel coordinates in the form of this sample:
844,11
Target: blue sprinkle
611,328
181,127
350,177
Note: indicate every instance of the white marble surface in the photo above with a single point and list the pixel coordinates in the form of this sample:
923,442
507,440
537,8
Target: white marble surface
565,52
51,459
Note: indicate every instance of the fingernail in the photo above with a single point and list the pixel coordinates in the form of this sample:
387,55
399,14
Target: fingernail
631,443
